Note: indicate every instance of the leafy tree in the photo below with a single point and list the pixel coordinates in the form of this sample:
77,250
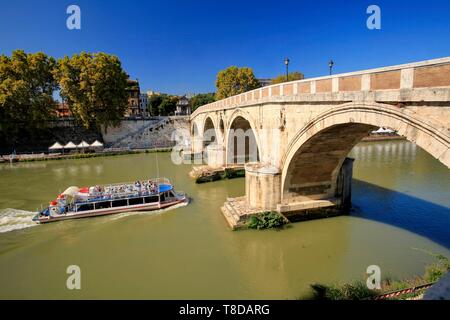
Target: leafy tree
153,104
26,89
292,76
94,87
168,105
162,105
202,99
234,80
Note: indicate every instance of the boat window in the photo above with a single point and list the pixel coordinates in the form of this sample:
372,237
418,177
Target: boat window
85,207
135,201
163,197
103,205
119,203
151,199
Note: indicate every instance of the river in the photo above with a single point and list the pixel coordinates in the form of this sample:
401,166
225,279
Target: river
401,208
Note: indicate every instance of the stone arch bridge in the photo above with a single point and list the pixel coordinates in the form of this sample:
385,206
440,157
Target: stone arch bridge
301,133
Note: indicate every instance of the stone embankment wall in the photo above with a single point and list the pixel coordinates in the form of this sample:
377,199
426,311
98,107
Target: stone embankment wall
146,134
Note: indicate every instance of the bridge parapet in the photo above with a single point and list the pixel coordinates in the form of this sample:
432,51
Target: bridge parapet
407,82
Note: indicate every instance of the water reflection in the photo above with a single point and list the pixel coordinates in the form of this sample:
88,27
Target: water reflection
401,210
381,153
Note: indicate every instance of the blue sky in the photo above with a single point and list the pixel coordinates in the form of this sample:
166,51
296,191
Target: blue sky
179,46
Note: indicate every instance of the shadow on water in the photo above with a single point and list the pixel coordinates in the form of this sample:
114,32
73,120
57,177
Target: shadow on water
401,210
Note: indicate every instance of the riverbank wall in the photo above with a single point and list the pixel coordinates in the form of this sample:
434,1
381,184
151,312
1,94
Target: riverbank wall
158,132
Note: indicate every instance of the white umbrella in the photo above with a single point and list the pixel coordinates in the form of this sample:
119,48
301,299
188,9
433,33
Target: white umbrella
70,145
83,144
56,146
96,144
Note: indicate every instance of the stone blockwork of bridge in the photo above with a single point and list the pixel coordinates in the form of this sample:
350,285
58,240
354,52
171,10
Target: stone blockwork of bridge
304,130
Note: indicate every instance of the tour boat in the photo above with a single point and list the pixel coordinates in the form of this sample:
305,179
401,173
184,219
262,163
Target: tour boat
75,203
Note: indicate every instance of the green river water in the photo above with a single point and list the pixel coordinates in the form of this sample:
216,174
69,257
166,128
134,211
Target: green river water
401,207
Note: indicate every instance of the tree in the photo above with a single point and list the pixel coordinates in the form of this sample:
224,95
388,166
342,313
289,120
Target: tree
153,104
27,85
94,87
292,76
234,80
168,105
162,104
202,99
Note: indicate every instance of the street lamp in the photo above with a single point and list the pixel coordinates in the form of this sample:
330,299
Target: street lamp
286,62
331,64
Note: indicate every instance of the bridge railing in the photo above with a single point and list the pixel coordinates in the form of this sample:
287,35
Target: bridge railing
425,74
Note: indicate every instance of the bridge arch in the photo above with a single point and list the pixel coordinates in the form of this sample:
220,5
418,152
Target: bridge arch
241,120
209,132
323,144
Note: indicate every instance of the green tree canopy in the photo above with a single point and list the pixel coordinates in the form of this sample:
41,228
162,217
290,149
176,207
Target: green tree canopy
27,85
202,99
153,104
94,87
168,105
162,104
234,80
292,76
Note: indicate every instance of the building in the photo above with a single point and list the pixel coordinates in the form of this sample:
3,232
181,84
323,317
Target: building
63,111
143,101
183,107
265,82
133,90
151,93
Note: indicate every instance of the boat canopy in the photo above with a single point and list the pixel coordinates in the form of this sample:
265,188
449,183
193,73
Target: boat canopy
71,191
165,187
56,146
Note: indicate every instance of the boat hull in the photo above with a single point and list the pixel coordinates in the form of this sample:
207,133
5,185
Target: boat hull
111,211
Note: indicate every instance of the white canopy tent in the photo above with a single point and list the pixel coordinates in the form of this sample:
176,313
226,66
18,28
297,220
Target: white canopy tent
56,146
83,144
97,144
383,130
70,145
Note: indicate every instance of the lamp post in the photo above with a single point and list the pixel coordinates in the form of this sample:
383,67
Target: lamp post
331,64
286,62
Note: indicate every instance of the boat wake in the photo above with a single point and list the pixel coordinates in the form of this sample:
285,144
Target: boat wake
153,212
13,219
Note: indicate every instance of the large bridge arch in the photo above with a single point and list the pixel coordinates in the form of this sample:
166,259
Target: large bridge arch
322,145
241,119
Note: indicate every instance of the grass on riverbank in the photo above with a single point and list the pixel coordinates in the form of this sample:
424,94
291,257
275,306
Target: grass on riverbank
358,290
